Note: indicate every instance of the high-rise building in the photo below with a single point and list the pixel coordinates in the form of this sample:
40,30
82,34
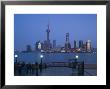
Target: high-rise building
48,31
45,45
39,46
28,48
88,45
67,44
67,37
48,44
54,43
42,45
85,46
80,44
75,46
36,45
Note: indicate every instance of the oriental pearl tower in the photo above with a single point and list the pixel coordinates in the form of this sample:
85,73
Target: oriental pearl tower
48,40
48,31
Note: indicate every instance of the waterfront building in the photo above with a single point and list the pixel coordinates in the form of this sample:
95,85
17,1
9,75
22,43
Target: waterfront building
88,45
36,46
39,46
67,44
47,46
80,44
75,46
54,43
42,46
84,49
28,48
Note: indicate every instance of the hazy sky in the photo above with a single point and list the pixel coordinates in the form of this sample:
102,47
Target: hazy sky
29,28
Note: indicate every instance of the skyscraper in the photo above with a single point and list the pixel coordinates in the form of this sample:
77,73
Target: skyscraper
80,44
88,45
39,46
28,48
75,46
54,43
36,45
45,45
67,44
67,37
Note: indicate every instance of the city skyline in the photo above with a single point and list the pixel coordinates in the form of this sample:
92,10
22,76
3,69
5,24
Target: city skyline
25,28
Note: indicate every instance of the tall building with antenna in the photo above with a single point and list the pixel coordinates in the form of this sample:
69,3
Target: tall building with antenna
48,32
47,43
67,44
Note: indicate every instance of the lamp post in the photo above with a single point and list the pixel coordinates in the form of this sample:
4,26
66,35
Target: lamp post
40,66
75,61
16,56
41,56
76,57
15,64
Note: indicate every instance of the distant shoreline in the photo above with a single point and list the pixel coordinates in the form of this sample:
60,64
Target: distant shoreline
56,52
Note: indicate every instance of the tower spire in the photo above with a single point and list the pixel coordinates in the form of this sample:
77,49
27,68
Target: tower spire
48,31
48,25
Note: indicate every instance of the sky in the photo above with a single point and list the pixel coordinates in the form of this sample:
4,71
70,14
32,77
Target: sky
29,28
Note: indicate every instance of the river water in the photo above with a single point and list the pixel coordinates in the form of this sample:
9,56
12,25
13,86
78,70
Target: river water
32,57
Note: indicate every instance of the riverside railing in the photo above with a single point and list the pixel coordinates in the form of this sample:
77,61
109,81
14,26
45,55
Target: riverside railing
28,69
